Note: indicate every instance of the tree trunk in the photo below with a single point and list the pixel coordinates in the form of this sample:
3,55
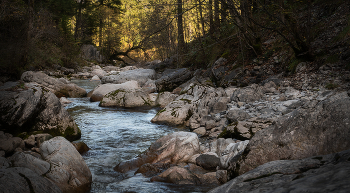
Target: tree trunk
201,16
216,16
211,22
79,22
181,40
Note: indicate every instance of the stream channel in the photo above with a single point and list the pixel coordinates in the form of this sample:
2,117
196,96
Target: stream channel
118,134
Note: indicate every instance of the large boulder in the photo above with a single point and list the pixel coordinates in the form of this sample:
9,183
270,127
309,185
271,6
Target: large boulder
59,88
20,179
101,90
321,174
139,75
170,81
319,130
124,98
68,169
175,113
32,108
173,148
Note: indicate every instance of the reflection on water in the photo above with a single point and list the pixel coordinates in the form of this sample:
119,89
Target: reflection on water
115,135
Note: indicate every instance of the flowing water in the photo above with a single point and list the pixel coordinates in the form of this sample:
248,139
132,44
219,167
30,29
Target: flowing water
115,135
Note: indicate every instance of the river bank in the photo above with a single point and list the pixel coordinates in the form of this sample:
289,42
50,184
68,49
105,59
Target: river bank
230,131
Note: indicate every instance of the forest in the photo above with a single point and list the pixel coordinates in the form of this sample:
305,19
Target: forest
39,34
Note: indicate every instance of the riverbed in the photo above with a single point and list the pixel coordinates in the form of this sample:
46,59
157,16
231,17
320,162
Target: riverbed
118,134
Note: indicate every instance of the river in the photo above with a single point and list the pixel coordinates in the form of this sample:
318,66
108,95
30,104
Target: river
117,134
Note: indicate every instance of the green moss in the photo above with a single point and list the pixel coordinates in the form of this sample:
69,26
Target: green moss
114,93
189,115
331,86
332,59
69,133
225,134
293,65
159,112
23,135
146,102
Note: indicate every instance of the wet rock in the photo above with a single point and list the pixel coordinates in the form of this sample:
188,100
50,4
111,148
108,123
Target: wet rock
326,173
125,98
101,90
20,179
70,171
139,75
177,175
190,174
301,133
170,81
54,85
81,147
148,170
174,148
65,101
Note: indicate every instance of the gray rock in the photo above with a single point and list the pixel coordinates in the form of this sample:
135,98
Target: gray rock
169,82
221,175
99,73
174,148
237,115
4,163
139,75
200,131
54,85
248,94
302,133
192,175
321,174
9,144
28,161
175,113
123,98
95,78
68,171
177,175
149,86
209,162
164,98
19,179
101,90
